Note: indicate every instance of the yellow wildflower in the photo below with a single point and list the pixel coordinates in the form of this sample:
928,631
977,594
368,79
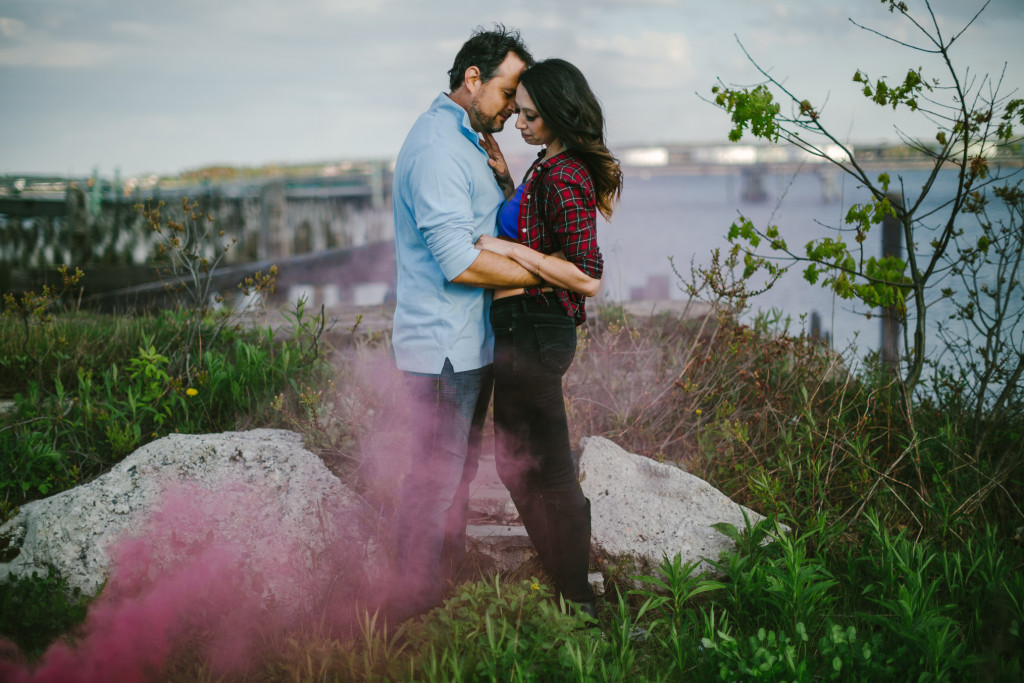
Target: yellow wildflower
191,392
535,586
698,411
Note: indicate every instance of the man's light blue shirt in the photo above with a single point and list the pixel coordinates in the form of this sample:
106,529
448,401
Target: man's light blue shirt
445,197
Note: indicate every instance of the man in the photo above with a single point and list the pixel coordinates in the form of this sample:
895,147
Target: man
445,197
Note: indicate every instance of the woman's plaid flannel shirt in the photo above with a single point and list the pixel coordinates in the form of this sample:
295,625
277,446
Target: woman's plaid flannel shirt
559,213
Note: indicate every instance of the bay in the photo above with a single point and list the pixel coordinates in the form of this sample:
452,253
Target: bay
684,217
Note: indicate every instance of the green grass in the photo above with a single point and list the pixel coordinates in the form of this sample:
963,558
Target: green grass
89,389
901,562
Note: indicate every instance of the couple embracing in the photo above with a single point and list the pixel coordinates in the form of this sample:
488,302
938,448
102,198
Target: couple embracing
491,285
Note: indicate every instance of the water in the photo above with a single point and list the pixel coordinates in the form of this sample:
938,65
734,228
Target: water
687,216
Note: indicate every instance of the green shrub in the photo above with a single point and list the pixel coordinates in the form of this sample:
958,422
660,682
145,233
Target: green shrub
73,428
494,631
36,610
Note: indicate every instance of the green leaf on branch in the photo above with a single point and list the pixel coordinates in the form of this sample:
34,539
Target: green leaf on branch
863,216
744,229
750,108
841,285
906,93
888,282
826,250
1014,113
750,264
777,242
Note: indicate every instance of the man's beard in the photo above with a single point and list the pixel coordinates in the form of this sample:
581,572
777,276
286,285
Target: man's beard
487,124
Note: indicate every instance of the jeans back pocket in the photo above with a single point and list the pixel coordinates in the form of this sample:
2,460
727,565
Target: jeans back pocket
557,344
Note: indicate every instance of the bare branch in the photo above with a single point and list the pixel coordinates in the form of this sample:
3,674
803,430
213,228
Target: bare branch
968,24
900,42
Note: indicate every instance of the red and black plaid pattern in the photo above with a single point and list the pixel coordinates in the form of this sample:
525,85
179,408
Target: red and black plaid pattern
559,213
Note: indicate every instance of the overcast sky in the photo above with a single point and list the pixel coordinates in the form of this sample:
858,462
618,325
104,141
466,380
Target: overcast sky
147,86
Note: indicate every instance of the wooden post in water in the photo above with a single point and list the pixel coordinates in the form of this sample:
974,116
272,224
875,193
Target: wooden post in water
892,328
818,334
377,184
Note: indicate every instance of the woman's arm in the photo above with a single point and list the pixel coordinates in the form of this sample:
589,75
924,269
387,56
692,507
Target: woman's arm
570,216
553,268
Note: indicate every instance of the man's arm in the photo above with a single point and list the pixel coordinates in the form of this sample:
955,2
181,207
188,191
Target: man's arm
442,207
555,270
496,272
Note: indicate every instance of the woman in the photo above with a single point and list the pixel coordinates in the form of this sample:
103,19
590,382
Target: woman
553,215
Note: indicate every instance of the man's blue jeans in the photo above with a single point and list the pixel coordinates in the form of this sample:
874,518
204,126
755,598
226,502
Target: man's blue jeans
447,425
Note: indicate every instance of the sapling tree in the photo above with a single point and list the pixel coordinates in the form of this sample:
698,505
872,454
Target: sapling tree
191,253
975,122
30,307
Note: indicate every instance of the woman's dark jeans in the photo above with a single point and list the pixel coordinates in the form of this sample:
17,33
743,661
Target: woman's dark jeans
534,344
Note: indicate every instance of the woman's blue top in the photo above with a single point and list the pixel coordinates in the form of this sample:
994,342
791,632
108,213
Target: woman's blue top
508,226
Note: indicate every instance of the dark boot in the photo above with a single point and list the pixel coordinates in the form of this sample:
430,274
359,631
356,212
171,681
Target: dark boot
588,608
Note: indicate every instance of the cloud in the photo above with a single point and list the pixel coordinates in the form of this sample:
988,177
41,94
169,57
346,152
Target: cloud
59,55
349,6
356,73
50,40
545,21
625,4
11,28
133,29
650,60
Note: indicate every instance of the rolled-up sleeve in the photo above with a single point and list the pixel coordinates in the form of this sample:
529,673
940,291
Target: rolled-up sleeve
442,206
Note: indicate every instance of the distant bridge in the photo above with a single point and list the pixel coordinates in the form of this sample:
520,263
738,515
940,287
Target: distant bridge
91,223
345,276
313,210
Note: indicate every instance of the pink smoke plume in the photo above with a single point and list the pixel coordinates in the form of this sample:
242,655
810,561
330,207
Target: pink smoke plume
210,571
218,574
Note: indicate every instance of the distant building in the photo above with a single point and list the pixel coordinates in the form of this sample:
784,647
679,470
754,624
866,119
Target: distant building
645,156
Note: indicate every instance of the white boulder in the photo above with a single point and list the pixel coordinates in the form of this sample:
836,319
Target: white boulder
257,497
647,510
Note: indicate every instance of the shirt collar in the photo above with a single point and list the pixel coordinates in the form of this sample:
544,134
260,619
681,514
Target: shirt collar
444,103
540,163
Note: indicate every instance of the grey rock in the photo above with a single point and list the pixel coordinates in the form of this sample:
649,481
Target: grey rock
647,510
507,545
260,491
285,514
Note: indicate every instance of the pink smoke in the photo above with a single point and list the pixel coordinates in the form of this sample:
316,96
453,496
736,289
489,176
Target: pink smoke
387,442
211,572
218,575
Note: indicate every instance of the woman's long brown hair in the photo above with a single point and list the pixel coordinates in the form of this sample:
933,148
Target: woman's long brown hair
569,108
